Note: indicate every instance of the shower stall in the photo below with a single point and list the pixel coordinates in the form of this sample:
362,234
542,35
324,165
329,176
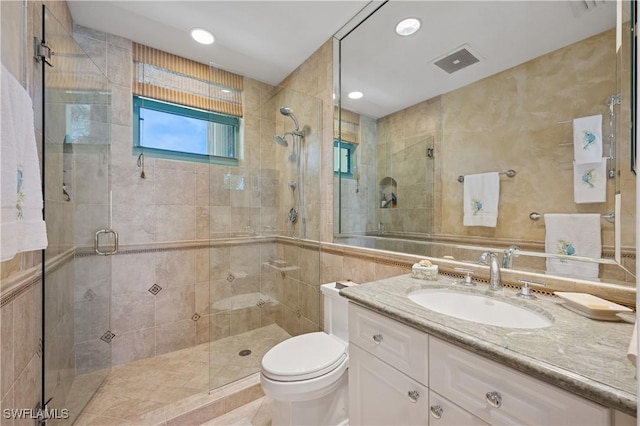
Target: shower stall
162,287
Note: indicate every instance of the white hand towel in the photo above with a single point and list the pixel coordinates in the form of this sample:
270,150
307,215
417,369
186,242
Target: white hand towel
481,194
21,225
590,182
573,235
587,139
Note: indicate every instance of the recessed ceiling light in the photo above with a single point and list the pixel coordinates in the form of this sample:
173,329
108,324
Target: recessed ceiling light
355,95
202,36
408,26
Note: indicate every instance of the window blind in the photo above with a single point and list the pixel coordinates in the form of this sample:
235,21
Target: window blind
350,125
170,78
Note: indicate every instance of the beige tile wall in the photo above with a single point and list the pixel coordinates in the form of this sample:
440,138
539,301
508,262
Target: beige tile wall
180,201
522,125
315,78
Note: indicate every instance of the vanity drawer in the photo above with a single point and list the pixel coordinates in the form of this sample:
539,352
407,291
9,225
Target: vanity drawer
401,346
500,395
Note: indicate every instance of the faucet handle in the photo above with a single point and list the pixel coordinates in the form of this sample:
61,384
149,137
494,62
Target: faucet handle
525,291
467,279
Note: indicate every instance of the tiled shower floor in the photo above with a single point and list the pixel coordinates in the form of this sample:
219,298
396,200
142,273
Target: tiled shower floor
155,390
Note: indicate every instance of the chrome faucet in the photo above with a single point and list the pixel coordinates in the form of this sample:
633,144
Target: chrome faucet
491,259
508,255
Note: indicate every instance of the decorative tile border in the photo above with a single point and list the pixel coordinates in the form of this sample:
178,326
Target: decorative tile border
18,284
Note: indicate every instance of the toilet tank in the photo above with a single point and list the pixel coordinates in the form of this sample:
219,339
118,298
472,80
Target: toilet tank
335,312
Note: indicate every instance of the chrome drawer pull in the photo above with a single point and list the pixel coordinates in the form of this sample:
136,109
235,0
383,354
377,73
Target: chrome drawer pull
377,338
436,411
413,395
494,399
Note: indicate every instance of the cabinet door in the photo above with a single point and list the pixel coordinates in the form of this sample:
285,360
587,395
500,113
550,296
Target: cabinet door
445,413
381,395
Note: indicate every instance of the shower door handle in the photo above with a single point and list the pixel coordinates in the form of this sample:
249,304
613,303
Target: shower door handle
97,242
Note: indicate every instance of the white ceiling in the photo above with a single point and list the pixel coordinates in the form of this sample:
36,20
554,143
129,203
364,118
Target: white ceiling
394,72
266,40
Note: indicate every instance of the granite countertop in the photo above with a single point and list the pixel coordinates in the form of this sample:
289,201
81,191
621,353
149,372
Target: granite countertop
578,354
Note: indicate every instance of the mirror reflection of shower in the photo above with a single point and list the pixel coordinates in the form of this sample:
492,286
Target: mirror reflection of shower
297,189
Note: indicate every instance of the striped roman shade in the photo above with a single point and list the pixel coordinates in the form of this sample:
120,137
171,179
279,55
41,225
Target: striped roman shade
170,78
350,125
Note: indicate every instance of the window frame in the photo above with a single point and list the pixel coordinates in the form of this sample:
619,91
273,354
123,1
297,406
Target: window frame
176,109
350,147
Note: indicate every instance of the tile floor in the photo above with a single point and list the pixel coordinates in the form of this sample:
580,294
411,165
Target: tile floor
160,390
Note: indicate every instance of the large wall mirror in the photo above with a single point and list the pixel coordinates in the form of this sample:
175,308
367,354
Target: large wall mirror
484,87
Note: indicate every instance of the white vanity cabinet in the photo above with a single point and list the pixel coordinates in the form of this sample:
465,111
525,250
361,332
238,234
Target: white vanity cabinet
399,375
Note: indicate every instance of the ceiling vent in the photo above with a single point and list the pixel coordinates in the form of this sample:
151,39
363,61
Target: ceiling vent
460,58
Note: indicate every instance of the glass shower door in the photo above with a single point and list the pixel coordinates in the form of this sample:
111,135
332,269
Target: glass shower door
76,280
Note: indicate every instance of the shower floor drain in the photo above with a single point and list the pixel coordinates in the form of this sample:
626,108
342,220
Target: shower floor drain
244,352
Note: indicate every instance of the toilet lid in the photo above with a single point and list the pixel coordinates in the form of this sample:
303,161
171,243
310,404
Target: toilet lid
303,357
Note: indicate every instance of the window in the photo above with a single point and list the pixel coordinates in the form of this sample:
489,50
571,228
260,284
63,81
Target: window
343,158
176,131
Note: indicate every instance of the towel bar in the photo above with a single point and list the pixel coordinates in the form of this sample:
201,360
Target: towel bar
610,217
510,173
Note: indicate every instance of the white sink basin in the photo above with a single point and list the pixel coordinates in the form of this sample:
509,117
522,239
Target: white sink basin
478,308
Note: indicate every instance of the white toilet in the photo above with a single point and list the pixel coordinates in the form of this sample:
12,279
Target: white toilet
306,376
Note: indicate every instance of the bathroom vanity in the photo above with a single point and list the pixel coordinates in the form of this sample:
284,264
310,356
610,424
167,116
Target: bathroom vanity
410,365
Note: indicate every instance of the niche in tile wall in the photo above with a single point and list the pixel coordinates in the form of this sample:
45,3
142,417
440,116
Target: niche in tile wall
388,189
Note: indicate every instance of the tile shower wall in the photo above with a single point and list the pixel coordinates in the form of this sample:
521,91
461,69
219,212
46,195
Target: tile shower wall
167,299
314,78
359,197
401,154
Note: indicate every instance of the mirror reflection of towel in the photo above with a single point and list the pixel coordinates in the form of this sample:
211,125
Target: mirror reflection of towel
481,193
590,182
573,235
587,139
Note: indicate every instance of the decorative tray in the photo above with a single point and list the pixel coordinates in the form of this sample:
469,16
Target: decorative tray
591,306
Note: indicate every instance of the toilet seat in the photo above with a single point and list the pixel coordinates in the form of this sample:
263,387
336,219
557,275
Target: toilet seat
304,357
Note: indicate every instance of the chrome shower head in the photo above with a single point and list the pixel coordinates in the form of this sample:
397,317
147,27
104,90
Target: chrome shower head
289,112
280,140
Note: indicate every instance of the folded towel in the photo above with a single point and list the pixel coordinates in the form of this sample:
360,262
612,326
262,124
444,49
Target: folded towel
481,193
590,182
21,225
573,235
587,139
